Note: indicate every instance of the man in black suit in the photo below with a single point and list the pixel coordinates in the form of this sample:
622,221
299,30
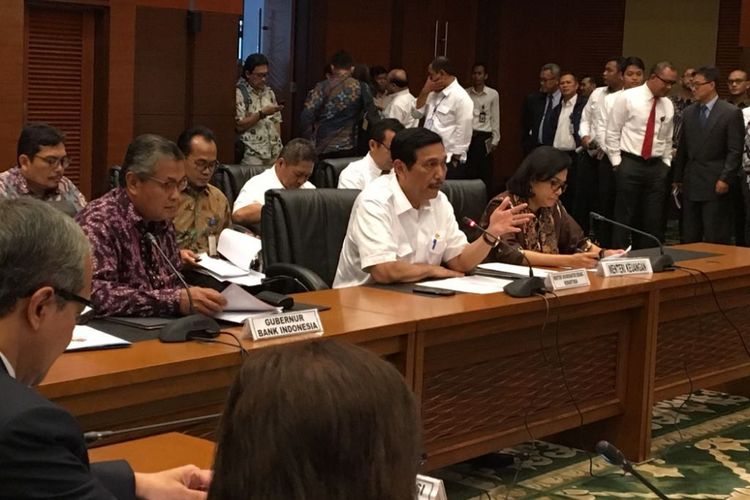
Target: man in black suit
708,161
537,124
45,279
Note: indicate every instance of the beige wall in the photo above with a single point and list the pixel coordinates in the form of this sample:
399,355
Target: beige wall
681,31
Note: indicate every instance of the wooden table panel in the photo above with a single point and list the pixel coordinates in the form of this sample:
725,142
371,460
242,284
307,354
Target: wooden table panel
159,452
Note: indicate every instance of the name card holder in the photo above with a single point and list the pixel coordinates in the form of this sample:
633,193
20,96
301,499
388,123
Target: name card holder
624,267
430,488
573,278
286,324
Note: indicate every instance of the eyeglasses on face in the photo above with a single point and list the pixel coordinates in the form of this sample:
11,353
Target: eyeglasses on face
84,316
695,84
203,165
666,82
171,185
558,184
54,161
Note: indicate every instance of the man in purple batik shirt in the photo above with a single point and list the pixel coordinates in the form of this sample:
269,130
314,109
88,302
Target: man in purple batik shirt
130,276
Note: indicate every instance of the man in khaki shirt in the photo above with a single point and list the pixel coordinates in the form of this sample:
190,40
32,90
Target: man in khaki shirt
204,210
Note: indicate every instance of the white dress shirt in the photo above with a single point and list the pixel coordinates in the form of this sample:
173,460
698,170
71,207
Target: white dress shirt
384,227
358,174
488,100
400,106
564,139
254,190
591,114
8,366
746,150
627,121
450,114
603,115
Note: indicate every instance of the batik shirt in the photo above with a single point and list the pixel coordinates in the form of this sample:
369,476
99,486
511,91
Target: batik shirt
130,278
202,212
262,140
13,185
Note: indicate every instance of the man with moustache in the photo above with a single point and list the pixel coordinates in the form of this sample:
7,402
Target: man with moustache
125,226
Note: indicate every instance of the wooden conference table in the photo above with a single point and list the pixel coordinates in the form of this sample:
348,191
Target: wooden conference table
488,370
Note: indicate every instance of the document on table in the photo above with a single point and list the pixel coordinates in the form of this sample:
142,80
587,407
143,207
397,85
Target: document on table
511,270
85,338
469,284
239,248
241,305
220,267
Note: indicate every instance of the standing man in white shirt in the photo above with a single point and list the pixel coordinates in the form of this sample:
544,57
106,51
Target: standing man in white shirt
745,174
567,116
377,161
291,171
401,102
403,229
486,128
448,111
639,145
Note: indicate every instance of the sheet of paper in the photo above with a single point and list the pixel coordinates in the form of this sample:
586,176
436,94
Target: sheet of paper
237,317
250,278
220,267
85,337
470,284
239,300
521,271
239,248
621,255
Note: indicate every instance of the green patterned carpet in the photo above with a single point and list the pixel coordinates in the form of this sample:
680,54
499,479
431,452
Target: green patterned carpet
700,450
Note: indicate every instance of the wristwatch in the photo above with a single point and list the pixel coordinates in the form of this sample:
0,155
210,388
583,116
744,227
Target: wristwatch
493,244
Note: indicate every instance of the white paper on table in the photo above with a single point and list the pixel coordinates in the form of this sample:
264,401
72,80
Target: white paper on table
219,267
521,271
250,278
238,300
470,284
619,256
239,248
85,337
238,317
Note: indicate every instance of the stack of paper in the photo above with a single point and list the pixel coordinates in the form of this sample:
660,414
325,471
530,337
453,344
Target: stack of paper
469,284
509,270
240,250
85,337
241,305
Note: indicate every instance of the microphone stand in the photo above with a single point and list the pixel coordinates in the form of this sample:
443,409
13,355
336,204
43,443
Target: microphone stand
614,456
94,436
659,264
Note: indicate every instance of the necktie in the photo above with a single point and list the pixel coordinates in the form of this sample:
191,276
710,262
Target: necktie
648,139
704,115
546,118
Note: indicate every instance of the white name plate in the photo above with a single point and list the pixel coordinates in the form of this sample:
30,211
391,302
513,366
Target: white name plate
287,324
624,267
430,488
573,278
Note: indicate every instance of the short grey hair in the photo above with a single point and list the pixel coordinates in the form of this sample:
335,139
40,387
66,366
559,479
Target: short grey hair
39,246
657,68
297,151
145,152
554,68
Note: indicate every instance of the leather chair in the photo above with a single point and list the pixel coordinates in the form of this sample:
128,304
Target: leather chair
469,199
302,232
326,172
231,178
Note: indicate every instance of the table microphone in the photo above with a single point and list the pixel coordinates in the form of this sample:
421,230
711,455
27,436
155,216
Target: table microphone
94,436
152,239
518,288
664,262
614,456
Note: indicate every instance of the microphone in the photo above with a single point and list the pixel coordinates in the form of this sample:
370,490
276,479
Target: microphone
94,436
614,456
519,288
191,327
659,264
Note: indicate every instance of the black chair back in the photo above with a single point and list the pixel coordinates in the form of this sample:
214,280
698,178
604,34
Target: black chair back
231,178
306,227
469,199
326,172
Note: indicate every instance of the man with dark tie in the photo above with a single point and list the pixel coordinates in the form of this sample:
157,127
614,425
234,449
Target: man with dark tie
639,144
537,123
708,161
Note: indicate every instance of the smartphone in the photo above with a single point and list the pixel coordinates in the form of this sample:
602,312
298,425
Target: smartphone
432,291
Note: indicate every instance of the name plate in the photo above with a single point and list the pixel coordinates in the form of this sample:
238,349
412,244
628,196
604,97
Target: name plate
430,488
287,324
573,278
624,267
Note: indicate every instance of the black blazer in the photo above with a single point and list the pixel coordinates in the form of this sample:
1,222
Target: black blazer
575,117
43,455
711,153
531,118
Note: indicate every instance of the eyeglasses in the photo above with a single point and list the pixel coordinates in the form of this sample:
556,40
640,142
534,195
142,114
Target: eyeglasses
666,82
206,165
558,184
259,75
84,316
736,81
384,145
695,84
171,185
54,161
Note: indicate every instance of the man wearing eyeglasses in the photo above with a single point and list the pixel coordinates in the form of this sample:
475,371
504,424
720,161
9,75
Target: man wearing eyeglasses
358,174
257,113
130,228
42,161
738,84
203,210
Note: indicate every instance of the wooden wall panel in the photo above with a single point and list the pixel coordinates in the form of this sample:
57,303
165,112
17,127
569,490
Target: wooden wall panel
728,51
121,41
11,79
361,27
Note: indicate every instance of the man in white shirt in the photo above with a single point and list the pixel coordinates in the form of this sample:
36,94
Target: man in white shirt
401,101
486,128
745,175
639,144
567,116
448,111
403,229
377,161
291,171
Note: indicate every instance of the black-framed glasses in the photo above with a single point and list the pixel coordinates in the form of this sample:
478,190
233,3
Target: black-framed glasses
695,84
54,161
558,184
171,185
203,165
384,145
84,316
666,82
